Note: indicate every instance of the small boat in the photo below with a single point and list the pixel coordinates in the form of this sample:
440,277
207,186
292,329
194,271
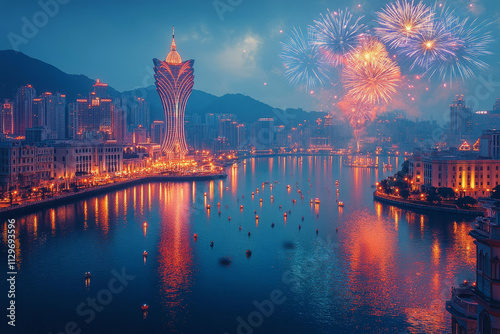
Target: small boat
208,207
145,224
195,236
260,200
87,274
272,225
300,227
284,215
229,218
253,193
211,244
256,217
145,254
317,231
312,201
241,207
144,307
317,201
249,253
341,203
249,233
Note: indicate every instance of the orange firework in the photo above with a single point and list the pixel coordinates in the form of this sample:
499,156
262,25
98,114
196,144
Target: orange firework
370,76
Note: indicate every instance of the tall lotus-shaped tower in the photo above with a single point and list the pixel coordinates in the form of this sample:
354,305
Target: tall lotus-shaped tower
174,83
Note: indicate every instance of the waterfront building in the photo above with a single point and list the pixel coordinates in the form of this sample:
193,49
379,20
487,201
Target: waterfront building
73,158
139,113
465,172
23,165
486,232
23,111
174,82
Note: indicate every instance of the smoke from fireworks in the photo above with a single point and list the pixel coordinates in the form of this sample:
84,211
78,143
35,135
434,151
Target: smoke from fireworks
355,112
336,35
302,61
402,20
370,76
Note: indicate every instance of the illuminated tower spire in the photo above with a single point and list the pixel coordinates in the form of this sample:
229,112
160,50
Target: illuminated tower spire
173,56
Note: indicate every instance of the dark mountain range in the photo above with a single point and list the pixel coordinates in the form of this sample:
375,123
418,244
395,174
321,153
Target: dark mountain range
18,69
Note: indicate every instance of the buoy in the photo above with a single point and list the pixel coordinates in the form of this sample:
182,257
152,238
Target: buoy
302,218
249,253
254,211
260,200
87,274
219,212
317,231
337,229
248,233
208,207
218,204
226,206
195,236
241,207
240,227
253,193
284,215
272,225
145,224
144,307
280,207
145,254
205,194
300,227
229,218
256,217
211,243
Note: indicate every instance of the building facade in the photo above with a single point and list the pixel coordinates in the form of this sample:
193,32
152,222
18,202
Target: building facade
174,83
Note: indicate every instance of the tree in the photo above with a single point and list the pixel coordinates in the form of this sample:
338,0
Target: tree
405,193
433,197
466,201
405,167
445,192
496,192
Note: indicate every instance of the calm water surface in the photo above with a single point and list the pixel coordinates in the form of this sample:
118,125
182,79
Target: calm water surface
384,270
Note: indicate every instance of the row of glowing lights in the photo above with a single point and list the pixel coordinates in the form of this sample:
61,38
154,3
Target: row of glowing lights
421,195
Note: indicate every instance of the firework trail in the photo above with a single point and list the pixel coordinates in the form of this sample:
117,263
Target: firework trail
303,64
336,34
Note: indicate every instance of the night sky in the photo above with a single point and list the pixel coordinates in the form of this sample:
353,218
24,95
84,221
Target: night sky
235,51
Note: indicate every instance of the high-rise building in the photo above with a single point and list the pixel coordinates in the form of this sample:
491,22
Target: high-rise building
7,122
23,112
157,131
460,117
174,83
139,113
49,110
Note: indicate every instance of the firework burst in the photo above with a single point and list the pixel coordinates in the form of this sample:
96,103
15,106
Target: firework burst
336,35
470,47
370,76
401,21
432,45
302,61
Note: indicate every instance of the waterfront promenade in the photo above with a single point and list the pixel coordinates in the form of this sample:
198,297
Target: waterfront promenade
30,206
425,206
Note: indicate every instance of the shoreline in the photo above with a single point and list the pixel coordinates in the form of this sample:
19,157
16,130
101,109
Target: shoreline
408,204
29,207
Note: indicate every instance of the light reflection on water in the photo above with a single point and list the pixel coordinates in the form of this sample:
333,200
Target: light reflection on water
371,267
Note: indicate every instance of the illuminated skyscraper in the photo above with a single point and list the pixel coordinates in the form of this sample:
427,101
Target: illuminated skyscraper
174,83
